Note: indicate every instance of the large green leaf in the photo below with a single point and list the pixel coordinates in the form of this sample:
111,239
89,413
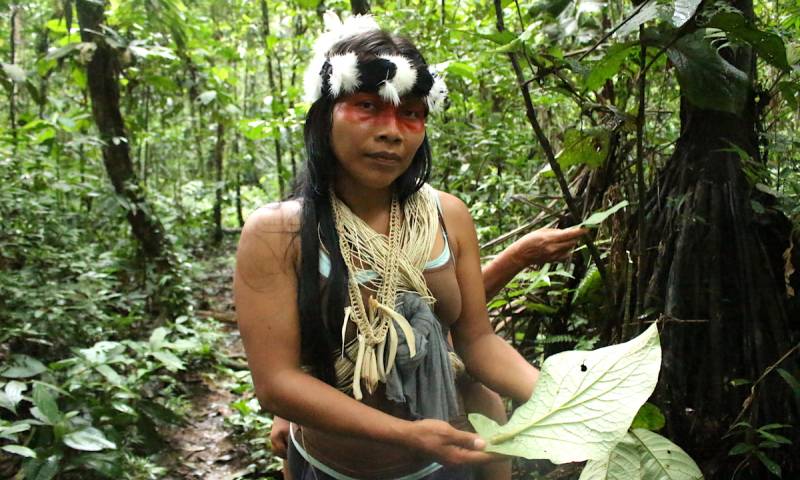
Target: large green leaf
169,359
791,380
706,79
501,38
463,70
46,404
598,217
609,65
23,366
649,417
583,404
663,459
588,288
683,10
768,45
20,450
10,432
12,395
622,463
643,455
589,147
42,469
108,464
677,14
650,11
88,439
158,337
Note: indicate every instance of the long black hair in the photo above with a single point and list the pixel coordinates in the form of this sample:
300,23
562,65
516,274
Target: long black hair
321,319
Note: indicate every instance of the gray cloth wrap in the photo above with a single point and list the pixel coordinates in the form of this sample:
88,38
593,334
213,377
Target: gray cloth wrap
426,382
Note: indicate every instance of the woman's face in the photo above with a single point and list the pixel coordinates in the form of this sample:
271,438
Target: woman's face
375,141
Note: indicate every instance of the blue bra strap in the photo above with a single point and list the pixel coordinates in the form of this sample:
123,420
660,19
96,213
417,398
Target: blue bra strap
362,276
365,276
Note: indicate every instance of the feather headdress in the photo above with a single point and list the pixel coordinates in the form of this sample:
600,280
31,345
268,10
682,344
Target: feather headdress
391,76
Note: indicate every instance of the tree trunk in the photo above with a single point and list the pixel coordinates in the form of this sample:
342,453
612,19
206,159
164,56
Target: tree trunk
712,267
102,75
42,47
359,7
219,152
238,168
276,95
15,22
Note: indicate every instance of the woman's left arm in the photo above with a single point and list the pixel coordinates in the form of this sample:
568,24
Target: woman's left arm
488,358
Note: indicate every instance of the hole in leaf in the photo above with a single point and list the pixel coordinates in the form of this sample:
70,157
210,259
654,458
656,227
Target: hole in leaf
583,367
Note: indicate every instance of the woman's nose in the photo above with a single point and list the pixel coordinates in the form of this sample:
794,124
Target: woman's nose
389,126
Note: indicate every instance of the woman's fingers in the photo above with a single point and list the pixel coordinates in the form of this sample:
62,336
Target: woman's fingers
572,233
546,245
563,247
467,440
448,445
278,437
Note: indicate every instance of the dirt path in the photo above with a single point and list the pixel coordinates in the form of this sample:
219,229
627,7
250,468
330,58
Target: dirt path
205,447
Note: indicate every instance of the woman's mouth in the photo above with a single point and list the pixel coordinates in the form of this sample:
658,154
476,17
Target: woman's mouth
385,156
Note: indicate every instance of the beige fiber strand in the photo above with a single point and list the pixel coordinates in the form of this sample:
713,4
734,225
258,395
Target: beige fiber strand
399,260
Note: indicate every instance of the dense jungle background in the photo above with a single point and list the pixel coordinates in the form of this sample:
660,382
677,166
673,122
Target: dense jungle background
137,135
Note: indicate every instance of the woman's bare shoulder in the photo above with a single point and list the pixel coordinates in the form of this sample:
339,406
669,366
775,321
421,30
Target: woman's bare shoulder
454,210
458,221
269,244
277,217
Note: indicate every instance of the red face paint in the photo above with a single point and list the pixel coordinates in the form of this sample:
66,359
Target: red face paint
370,108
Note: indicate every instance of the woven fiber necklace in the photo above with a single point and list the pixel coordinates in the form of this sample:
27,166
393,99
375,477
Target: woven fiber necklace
398,260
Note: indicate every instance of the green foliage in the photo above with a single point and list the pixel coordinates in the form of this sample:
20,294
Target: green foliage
609,66
597,218
769,46
699,66
587,147
251,426
97,400
649,417
758,444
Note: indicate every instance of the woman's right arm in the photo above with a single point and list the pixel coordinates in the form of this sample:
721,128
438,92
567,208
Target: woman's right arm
265,293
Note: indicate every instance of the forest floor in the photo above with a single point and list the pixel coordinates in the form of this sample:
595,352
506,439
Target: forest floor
208,445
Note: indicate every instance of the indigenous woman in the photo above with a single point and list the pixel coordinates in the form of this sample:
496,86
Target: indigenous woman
345,294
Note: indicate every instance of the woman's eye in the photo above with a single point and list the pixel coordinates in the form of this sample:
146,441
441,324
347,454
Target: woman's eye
412,114
366,105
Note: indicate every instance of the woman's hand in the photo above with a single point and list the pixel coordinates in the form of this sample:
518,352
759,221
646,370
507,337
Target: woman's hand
545,245
448,445
279,436
537,247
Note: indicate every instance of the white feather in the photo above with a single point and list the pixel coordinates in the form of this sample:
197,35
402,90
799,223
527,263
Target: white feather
344,73
331,21
358,24
312,82
405,76
389,93
336,30
437,95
